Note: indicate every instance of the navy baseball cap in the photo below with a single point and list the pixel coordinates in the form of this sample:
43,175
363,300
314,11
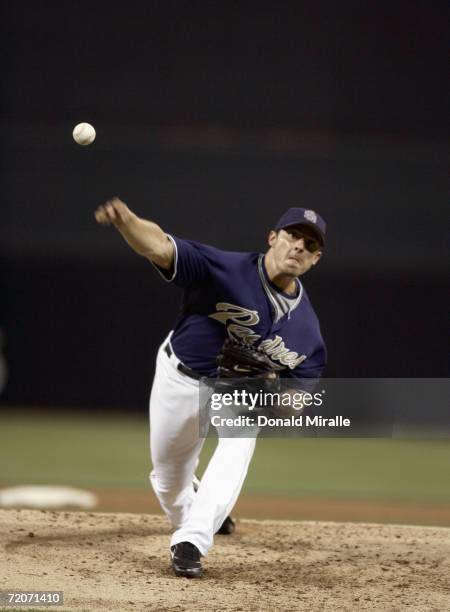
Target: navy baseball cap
303,216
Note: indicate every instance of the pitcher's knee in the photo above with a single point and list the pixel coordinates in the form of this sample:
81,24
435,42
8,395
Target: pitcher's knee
168,486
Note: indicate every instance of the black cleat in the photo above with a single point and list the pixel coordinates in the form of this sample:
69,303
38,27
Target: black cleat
186,560
228,526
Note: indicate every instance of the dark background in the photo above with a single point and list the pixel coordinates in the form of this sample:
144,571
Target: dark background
212,119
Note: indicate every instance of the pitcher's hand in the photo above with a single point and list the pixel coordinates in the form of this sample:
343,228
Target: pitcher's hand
113,212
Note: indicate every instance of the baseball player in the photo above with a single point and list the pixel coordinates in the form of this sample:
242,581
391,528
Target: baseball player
248,297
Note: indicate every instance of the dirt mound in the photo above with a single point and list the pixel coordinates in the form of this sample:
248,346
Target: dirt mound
121,562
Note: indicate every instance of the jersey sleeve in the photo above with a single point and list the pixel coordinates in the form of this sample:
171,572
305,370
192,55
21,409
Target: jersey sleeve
190,264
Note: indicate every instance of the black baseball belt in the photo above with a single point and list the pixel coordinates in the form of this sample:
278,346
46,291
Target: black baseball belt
181,367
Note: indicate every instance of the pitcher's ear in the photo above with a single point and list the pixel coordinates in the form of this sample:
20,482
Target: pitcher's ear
317,256
271,239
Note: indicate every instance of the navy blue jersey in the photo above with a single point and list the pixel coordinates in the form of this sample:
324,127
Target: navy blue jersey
229,294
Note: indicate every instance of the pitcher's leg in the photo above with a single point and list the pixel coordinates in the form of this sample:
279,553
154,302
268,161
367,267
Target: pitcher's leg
174,439
218,491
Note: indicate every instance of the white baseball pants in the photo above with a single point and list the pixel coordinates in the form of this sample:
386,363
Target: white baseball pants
175,447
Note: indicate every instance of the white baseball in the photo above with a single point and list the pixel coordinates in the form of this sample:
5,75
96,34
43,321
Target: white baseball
84,133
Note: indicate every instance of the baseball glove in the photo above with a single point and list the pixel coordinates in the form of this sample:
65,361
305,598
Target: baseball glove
243,368
237,360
